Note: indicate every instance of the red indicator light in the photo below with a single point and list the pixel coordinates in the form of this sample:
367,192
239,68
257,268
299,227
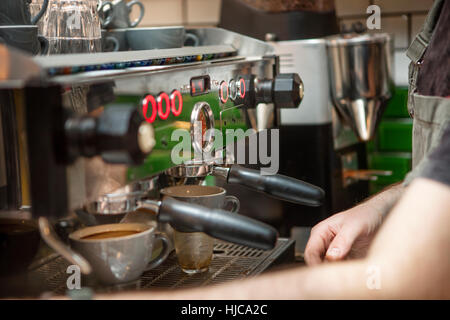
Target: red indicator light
224,93
174,95
163,97
149,99
242,88
200,85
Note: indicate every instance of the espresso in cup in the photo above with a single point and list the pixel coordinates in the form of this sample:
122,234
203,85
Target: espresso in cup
109,235
119,252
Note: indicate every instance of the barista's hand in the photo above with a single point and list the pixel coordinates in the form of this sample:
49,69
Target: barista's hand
344,235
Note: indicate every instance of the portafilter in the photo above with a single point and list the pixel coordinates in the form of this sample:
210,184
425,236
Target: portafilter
278,186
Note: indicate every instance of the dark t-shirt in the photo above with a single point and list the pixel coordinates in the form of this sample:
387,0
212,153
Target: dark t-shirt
433,78
438,166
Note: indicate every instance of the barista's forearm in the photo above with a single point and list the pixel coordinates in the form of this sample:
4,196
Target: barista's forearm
333,281
385,200
343,281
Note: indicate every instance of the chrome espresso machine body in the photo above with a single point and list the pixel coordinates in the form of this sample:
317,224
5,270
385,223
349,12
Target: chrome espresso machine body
212,83
93,133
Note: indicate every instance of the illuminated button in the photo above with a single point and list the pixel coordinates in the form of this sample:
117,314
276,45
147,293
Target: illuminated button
149,99
163,97
223,92
233,89
173,97
242,88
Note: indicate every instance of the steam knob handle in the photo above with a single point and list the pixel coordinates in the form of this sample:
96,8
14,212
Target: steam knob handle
124,136
287,90
120,135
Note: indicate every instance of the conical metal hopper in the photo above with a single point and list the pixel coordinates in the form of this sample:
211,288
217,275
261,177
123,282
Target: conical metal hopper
360,68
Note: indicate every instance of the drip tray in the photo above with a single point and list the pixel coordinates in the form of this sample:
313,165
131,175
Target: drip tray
230,262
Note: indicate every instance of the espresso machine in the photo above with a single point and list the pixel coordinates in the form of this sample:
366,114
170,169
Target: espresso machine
93,135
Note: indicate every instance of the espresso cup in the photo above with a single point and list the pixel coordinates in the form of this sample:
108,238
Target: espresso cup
17,12
110,44
24,37
117,14
105,12
120,252
195,249
114,40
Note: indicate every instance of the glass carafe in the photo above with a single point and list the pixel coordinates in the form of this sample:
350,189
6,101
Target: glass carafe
72,26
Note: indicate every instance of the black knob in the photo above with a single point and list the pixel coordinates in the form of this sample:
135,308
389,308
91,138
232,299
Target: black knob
285,91
120,135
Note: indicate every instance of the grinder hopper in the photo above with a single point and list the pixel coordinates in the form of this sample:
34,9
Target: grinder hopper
360,68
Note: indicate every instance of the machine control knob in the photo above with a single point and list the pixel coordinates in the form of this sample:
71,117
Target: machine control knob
285,91
288,90
120,135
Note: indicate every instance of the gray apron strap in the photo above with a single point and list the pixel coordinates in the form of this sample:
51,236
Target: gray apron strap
417,49
420,43
430,113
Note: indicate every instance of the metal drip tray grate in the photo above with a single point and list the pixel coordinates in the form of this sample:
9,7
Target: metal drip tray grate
230,262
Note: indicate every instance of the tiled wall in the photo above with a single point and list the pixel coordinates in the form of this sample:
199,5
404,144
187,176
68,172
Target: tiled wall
402,18
181,12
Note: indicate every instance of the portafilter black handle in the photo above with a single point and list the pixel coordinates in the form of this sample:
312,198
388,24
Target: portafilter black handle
217,223
278,186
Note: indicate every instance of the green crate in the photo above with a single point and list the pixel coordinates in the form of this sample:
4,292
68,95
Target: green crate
209,181
398,105
395,135
371,146
399,163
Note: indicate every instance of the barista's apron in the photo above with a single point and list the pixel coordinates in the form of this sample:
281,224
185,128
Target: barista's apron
430,114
